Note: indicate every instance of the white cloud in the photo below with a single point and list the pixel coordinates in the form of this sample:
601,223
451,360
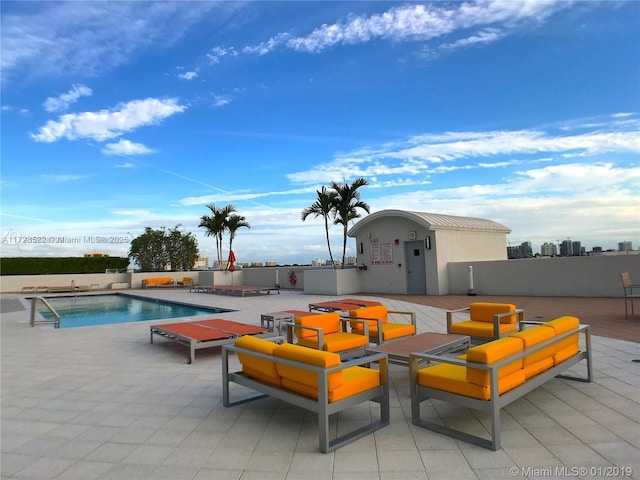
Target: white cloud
87,38
126,147
61,177
216,53
417,23
62,102
435,153
188,75
221,100
105,124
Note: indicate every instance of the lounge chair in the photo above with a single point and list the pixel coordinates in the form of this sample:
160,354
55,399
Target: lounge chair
629,293
378,317
328,332
486,321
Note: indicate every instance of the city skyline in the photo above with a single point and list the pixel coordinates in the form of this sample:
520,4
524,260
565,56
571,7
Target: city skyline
118,116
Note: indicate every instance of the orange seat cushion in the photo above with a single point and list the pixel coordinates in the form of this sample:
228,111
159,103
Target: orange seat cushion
541,360
449,378
258,368
567,347
336,342
390,331
481,329
484,312
356,380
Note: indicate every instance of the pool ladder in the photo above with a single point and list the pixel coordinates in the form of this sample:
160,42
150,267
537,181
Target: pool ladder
33,321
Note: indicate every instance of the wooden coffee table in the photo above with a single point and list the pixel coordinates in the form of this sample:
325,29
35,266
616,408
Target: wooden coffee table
398,351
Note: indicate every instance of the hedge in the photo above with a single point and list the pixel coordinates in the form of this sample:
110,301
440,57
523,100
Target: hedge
53,265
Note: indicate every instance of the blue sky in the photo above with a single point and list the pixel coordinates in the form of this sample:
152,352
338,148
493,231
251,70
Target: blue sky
122,115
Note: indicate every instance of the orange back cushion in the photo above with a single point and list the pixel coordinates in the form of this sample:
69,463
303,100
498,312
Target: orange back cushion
258,368
484,311
377,311
329,322
303,381
492,352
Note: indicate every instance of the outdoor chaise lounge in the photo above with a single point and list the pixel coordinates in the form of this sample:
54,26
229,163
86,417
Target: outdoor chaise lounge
492,375
486,321
242,290
201,334
313,380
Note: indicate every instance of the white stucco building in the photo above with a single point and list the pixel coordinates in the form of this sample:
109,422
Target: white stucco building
407,252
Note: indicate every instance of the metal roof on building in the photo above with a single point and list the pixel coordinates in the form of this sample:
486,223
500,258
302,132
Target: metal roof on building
434,221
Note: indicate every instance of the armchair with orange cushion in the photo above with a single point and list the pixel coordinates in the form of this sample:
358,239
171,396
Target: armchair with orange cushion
378,320
328,332
486,321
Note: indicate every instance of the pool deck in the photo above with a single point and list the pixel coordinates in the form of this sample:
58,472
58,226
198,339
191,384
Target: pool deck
103,403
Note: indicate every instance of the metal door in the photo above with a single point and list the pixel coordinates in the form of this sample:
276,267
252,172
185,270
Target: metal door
416,268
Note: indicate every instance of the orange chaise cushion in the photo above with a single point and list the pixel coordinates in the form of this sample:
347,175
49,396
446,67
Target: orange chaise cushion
258,368
567,347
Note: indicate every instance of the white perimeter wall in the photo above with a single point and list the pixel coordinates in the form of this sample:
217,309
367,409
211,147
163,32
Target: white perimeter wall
597,276
561,276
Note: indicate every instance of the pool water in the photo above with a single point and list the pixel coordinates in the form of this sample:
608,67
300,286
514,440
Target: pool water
84,311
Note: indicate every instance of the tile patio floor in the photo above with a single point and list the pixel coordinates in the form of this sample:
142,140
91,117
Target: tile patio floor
103,403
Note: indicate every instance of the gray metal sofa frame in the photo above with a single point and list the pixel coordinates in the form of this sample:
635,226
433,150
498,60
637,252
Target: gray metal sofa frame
493,406
321,406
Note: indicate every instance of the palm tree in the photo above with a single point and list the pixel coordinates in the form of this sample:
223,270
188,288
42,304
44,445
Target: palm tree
234,222
346,202
216,225
322,207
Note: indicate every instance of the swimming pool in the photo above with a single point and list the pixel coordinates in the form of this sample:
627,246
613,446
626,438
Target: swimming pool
84,311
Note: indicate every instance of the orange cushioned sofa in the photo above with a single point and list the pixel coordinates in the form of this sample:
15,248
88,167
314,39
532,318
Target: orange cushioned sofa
494,374
157,282
310,379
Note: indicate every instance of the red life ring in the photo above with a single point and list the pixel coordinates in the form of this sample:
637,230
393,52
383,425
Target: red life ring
293,279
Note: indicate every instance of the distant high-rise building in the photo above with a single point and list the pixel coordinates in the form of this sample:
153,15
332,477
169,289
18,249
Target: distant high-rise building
565,248
548,249
271,263
527,251
625,246
202,263
514,252
576,249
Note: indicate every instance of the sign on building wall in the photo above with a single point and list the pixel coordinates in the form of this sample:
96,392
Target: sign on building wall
381,254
